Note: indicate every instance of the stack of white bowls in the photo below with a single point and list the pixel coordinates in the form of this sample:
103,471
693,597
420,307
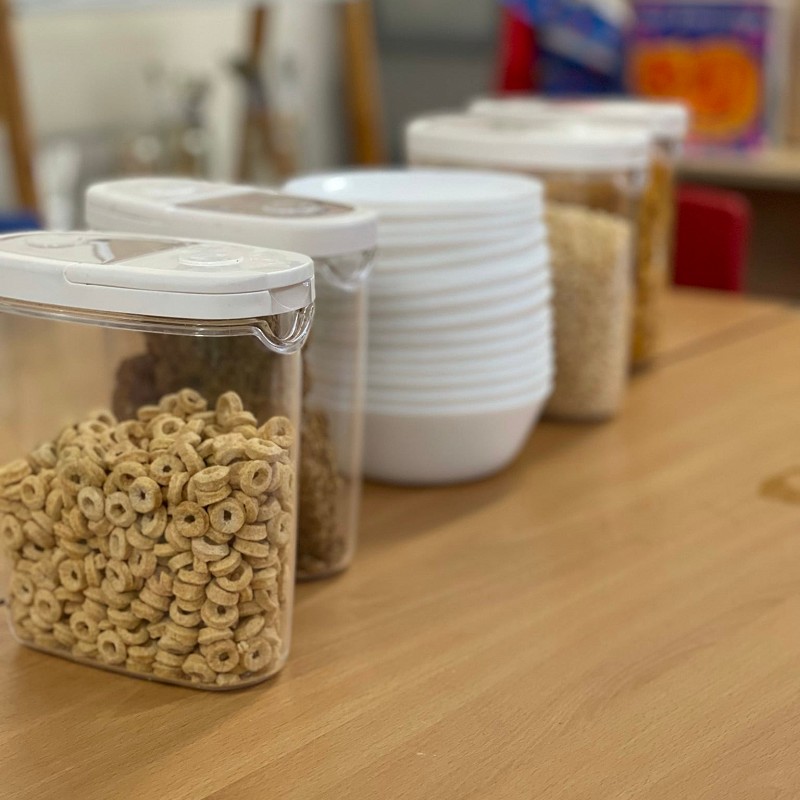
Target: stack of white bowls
460,342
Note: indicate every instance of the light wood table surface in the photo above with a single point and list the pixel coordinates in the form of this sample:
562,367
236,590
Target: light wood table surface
615,616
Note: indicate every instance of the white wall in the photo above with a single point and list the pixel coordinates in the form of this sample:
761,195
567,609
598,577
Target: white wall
83,73
84,70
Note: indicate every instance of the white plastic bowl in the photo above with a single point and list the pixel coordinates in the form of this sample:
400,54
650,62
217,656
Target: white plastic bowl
487,316
416,396
400,367
521,328
433,237
483,380
453,282
466,297
435,351
412,255
435,225
450,447
422,193
389,383
413,259
384,323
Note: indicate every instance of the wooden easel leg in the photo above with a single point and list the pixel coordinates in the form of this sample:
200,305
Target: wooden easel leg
362,82
258,124
12,108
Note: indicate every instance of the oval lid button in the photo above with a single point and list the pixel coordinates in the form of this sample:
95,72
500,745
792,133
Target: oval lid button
210,257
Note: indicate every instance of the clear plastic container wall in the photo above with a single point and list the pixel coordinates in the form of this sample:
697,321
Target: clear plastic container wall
334,364
148,492
654,250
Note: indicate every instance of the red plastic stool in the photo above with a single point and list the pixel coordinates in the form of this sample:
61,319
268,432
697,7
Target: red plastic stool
712,237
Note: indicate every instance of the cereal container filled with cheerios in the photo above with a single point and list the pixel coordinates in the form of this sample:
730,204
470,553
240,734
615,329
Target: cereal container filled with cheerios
593,178
149,531
667,123
342,241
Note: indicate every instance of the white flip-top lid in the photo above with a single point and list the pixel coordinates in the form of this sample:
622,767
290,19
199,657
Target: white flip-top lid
225,212
664,120
152,276
546,144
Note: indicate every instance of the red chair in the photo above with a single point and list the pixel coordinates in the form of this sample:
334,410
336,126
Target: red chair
712,238
517,55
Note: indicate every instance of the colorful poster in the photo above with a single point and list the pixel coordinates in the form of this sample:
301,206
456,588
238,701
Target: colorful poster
714,56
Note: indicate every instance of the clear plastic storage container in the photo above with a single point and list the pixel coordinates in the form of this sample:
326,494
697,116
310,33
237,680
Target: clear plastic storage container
667,124
151,529
593,178
341,240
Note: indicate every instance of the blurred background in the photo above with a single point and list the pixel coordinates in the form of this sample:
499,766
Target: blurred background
231,91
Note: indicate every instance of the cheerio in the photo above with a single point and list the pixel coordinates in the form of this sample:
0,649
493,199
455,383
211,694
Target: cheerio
341,240
593,178
667,123
149,507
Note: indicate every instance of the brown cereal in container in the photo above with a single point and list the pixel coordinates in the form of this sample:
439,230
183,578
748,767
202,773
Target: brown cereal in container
146,589
321,542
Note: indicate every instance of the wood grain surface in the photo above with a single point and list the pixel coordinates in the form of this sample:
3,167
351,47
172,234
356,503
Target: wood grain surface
615,616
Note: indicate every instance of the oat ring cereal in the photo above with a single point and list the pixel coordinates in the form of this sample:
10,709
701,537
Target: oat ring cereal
11,533
206,499
188,619
191,402
226,565
111,648
154,523
222,656
236,581
253,477
33,492
135,544
83,627
119,510
197,669
211,479
228,516
227,404
165,467
278,430
47,606
145,495
218,616
216,594
72,575
118,545
189,457
257,655
91,502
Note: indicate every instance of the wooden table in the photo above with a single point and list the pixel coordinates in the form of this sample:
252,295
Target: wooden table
616,616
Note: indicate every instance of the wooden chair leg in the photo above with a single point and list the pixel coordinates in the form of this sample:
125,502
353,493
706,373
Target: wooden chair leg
13,110
362,82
